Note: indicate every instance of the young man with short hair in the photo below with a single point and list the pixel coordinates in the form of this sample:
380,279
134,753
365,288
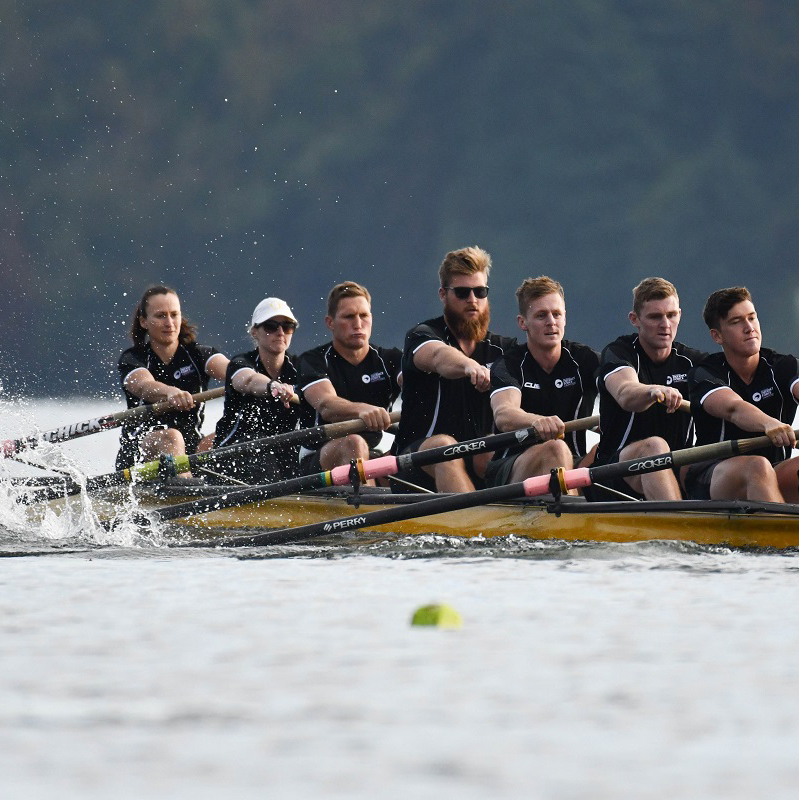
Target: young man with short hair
744,391
446,374
642,381
540,383
348,378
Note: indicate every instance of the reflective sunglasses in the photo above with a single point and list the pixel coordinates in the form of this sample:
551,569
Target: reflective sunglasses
271,326
462,292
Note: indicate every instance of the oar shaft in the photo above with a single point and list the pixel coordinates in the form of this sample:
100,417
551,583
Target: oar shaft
373,468
66,433
391,465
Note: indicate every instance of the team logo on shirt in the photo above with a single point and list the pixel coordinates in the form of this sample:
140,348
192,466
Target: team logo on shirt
182,372
564,383
374,377
763,394
531,385
679,377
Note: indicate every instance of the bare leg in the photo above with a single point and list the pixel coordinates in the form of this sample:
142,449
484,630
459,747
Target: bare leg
788,480
342,451
450,476
660,485
168,442
541,459
745,478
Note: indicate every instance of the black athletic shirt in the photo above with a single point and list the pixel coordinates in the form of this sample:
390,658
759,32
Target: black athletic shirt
247,417
620,427
770,391
373,381
432,404
568,392
186,370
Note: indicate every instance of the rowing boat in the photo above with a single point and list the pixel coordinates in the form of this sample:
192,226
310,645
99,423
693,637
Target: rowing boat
740,524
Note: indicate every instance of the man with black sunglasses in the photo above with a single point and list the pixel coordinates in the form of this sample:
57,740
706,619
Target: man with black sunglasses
348,378
447,374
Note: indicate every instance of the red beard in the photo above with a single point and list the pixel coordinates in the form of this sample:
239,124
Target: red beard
473,329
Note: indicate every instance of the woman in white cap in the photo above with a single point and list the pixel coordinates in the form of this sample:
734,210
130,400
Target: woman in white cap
259,387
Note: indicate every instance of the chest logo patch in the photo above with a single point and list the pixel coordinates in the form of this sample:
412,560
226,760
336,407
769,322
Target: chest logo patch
182,372
374,377
564,383
531,385
763,394
679,377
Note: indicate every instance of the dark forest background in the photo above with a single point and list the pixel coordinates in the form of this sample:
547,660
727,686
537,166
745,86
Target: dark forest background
248,148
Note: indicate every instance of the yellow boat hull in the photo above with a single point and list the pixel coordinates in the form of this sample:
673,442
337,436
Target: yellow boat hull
735,525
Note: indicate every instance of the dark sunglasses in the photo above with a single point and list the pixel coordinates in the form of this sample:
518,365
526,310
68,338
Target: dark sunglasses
462,292
271,326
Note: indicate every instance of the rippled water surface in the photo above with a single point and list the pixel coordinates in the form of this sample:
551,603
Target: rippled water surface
582,671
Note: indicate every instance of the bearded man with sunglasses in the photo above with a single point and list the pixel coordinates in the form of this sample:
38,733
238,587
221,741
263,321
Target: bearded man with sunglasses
348,378
259,386
447,374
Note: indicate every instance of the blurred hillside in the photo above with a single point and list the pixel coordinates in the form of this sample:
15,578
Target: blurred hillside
254,147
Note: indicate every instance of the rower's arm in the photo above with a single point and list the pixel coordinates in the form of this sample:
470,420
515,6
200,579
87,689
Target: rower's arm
509,416
635,397
141,383
332,408
216,366
728,405
449,362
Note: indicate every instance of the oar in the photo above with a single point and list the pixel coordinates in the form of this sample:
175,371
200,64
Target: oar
532,487
10,447
151,470
373,468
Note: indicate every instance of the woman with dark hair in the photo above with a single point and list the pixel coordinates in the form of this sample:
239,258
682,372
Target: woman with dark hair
165,364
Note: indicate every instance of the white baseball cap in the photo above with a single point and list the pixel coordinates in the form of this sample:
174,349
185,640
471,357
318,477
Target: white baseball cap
271,307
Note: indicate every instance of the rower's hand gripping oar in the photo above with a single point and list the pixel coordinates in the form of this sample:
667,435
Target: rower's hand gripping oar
373,468
10,447
531,487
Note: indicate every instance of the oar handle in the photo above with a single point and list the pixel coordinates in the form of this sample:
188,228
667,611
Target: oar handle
160,408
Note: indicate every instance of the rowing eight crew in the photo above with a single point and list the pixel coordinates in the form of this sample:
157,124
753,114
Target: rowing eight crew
459,380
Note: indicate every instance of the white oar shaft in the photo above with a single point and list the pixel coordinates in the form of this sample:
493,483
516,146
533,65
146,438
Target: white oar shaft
76,430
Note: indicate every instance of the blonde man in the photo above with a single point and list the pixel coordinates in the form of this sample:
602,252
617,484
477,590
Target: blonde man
446,373
642,380
540,383
348,378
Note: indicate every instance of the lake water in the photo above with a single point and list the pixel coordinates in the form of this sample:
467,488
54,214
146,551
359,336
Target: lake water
130,670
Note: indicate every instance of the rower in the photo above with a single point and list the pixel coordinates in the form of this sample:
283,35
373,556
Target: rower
642,381
348,378
446,373
259,387
540,383
741,392
165,364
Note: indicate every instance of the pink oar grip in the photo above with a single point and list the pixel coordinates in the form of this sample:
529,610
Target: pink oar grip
380,467
574,479
373,468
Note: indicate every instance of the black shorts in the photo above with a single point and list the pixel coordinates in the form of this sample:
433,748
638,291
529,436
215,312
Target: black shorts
598,494
697,479
418,477
498,470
